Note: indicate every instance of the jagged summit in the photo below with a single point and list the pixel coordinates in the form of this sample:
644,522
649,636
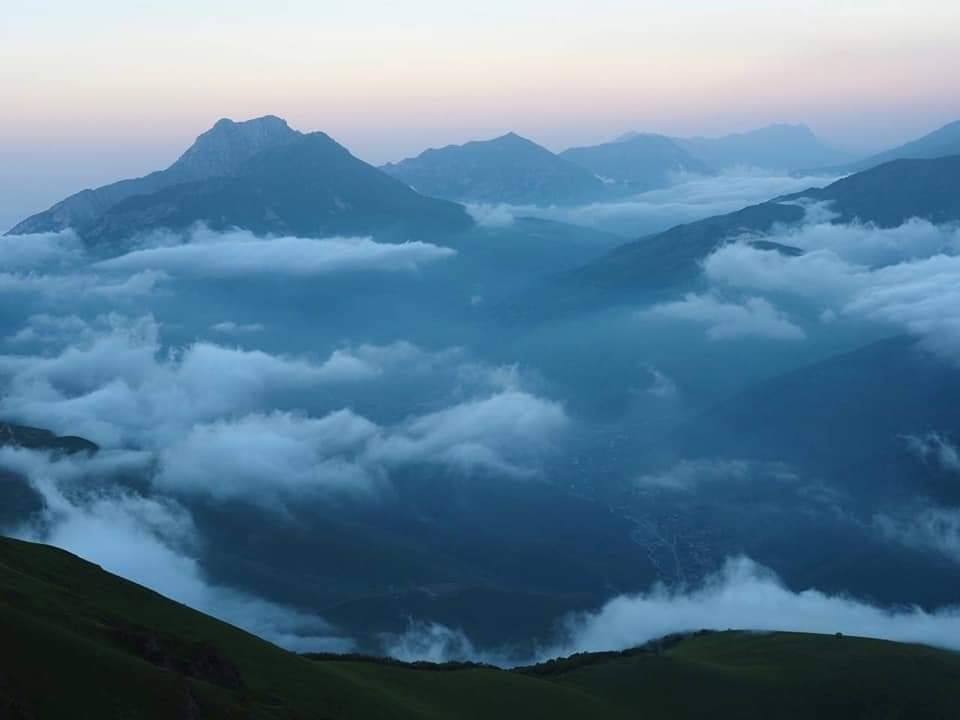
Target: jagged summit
222,148
258,174
780,146
218,152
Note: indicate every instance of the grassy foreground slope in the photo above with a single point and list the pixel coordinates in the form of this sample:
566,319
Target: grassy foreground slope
77,642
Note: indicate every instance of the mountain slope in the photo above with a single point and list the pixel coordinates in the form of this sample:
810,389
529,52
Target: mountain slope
79,642
894,192
309,186
886,196
776,147
636,163
937,144
878,395
508,169
216,153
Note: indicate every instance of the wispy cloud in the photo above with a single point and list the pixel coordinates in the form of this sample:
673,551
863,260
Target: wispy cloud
238,253
753,317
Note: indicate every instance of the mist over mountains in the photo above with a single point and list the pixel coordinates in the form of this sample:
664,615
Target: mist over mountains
259,175
493,402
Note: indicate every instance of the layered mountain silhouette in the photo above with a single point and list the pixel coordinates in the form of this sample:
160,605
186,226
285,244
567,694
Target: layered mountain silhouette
937,144
262,176
886,196
636,163
775,147
216,153
508,169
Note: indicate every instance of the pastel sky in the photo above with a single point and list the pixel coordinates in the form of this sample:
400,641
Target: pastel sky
95,90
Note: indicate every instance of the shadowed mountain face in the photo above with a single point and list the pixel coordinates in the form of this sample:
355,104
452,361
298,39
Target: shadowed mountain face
892,193
259,175
218,152
636,163
886,196
873,398
508,169
309,186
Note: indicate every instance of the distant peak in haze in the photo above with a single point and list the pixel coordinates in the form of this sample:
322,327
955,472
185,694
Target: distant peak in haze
781,147
512,137
638,162
780,131
505,169
942,142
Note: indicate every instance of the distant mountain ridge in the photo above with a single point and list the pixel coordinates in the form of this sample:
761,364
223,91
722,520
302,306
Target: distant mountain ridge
887,196
774,147
637,163
217,152
507,169
943,142
261,176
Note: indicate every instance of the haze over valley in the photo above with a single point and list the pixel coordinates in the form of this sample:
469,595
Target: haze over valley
556,414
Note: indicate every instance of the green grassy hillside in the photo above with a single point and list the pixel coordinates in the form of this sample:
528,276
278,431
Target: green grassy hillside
77,642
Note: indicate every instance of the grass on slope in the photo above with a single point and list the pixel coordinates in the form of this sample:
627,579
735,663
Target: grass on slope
77,642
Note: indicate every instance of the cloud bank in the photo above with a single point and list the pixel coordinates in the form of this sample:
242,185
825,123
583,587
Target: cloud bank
691,198
754,317
744,595
230,423
906,277
240,253
148,540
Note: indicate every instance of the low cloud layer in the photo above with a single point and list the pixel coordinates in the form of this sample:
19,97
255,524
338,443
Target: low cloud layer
935,449
265,456
240,253
29,252
228,327
689,476
932,529
231,423
906,277
744,595
753,317
149,540
692,197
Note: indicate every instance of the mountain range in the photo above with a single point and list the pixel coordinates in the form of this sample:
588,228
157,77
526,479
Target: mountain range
774,147
259,175
886,196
